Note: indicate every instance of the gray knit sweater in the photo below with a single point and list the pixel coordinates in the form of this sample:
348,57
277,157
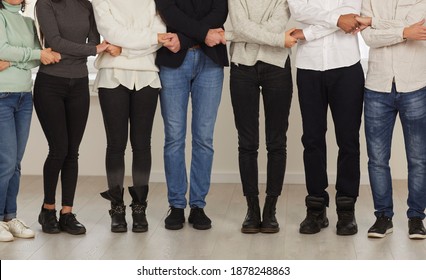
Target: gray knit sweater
69,28
258,31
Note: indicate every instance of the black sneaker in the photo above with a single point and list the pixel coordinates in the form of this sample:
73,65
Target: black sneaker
48,221
68,223
199,219
416,229
175,219
381,227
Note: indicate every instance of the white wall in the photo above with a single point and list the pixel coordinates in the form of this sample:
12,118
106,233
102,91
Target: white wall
225,167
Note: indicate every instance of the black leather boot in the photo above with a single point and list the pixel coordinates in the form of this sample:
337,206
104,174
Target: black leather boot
346,223
316,217
48,221
251,223
139,204
118,210
269,221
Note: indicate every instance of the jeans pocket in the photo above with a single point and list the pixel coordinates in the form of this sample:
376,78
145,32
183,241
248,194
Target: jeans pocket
4,94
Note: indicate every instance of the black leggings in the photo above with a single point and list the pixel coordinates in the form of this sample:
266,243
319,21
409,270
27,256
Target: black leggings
62,106
119,106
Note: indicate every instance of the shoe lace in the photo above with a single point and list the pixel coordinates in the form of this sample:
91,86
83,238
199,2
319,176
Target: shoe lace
18,225
416,223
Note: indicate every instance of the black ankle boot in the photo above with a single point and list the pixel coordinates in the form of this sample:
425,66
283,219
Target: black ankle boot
346,223
316,217
118,210
269,221
48,221
139,204
251,223
68,223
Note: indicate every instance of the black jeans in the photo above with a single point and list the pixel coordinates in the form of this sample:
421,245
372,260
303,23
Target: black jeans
275,84
119,106
343,90
62,106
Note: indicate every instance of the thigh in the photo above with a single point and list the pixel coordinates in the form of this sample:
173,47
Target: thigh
49,103
8,141
174,98
77,105
143,104
245,94
23,122
346,94
412,111
206,92
277,91
115,106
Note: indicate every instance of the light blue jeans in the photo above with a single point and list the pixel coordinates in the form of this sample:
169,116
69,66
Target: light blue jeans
201,79
380,111
15,119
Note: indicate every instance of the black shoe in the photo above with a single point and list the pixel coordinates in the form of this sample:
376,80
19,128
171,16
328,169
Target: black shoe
118,218
251,222
68,223
48,221
175,219
381,227
139,204
118,209
316,217
199,219
416,229
269,221
346,223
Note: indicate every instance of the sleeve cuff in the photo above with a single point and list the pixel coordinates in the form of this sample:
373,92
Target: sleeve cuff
334,18
36,55
154,39
229,35
309,36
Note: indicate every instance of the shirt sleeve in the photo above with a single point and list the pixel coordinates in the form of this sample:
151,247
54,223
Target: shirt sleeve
124,36
13,53
307,13
196,29
49,27
314,32
377,38
270,32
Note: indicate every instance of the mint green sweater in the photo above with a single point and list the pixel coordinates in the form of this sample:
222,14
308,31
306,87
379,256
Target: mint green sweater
18,45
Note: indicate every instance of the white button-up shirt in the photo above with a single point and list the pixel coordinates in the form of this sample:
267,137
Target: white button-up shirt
391,57
326,46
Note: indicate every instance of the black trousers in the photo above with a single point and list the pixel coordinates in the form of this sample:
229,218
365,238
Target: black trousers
342,90
275,85
62,106
119,107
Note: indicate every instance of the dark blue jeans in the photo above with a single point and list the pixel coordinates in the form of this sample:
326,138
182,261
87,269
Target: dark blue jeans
342,90
15,118
381,110
62,107
275,84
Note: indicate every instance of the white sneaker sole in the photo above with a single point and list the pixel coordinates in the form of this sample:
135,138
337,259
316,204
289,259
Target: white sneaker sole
380,235
26,236
6,239
417,236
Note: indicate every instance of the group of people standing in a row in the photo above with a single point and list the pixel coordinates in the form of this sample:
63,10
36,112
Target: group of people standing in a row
176,50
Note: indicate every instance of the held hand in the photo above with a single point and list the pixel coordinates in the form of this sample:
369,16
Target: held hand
173,44
57,56
289,40
4,65
214,37
101,47
348,23
164,37
416,31
47,57
364,22
298,34
113,50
